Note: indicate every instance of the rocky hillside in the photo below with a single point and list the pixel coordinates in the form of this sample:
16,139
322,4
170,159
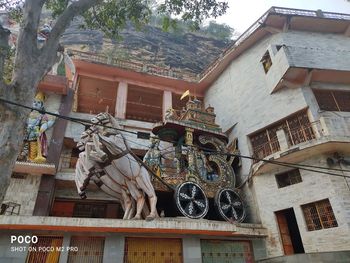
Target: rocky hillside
190,52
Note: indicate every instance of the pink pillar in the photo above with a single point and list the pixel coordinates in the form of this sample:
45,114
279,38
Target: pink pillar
167,101
122,94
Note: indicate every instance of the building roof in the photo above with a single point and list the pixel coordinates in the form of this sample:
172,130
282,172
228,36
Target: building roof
276,20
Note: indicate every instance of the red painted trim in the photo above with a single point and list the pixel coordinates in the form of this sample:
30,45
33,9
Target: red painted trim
123,230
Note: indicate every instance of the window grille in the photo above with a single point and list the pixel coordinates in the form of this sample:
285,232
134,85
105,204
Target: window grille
333,100
90,249
288,178
297,129
319,215
89,210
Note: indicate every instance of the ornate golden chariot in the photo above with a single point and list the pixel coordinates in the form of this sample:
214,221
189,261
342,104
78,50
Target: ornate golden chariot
198,165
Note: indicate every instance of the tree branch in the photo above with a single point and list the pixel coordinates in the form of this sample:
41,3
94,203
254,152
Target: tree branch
4,49
30,24
60,26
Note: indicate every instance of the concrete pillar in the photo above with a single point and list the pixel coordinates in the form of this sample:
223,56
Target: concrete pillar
122,95
282,140
65,244
15,252
114,248
167,101
191,248
259,249
324,126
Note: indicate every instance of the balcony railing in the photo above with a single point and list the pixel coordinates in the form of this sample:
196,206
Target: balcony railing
300,134
135,66
293,137
266,149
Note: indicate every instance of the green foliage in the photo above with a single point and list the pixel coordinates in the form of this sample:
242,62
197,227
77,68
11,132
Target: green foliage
9,65
220,31
13,7
61,70
56,6
111,16
195,11
179,27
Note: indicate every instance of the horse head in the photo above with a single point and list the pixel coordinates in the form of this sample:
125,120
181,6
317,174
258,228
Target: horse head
102,118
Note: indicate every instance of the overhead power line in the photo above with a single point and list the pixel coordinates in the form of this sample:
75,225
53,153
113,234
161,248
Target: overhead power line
206,150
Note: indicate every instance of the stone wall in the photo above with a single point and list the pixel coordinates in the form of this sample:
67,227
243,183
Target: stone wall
23,192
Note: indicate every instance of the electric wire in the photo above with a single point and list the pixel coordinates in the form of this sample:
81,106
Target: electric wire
206,150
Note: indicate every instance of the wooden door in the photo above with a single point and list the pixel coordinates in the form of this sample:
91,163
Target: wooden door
284,232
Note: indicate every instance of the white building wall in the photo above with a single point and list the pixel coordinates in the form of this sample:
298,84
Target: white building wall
241,96
314,187
24,193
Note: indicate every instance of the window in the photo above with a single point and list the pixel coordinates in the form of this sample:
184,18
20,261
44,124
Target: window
297,129
266,61
86,209
19,175
95,96
319,215
144,104
333,100
288,178
69,155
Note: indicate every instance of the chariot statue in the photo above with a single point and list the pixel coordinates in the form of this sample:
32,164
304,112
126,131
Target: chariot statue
197,169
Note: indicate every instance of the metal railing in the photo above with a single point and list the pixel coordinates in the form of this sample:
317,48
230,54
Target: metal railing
136,66
300,135
294,136
266,149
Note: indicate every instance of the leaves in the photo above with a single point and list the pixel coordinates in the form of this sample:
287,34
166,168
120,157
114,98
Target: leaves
112,16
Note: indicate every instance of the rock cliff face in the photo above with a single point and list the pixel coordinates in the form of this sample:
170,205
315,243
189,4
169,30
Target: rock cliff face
190,52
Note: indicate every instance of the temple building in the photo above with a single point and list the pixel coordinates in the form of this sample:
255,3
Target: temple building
264,132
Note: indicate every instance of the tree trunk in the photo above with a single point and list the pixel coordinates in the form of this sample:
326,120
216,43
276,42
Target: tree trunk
12,123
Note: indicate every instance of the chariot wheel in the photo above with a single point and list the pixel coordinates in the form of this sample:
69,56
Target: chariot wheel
191,200
229,205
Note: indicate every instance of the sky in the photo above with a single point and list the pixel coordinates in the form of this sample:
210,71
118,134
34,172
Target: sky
242,14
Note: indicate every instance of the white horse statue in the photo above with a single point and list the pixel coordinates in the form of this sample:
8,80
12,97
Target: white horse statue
108,161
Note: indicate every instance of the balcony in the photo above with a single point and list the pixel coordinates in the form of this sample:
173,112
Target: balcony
295,66
329,134
285,139
168,226
54,83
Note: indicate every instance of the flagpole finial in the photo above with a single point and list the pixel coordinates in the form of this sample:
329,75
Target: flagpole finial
185,94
